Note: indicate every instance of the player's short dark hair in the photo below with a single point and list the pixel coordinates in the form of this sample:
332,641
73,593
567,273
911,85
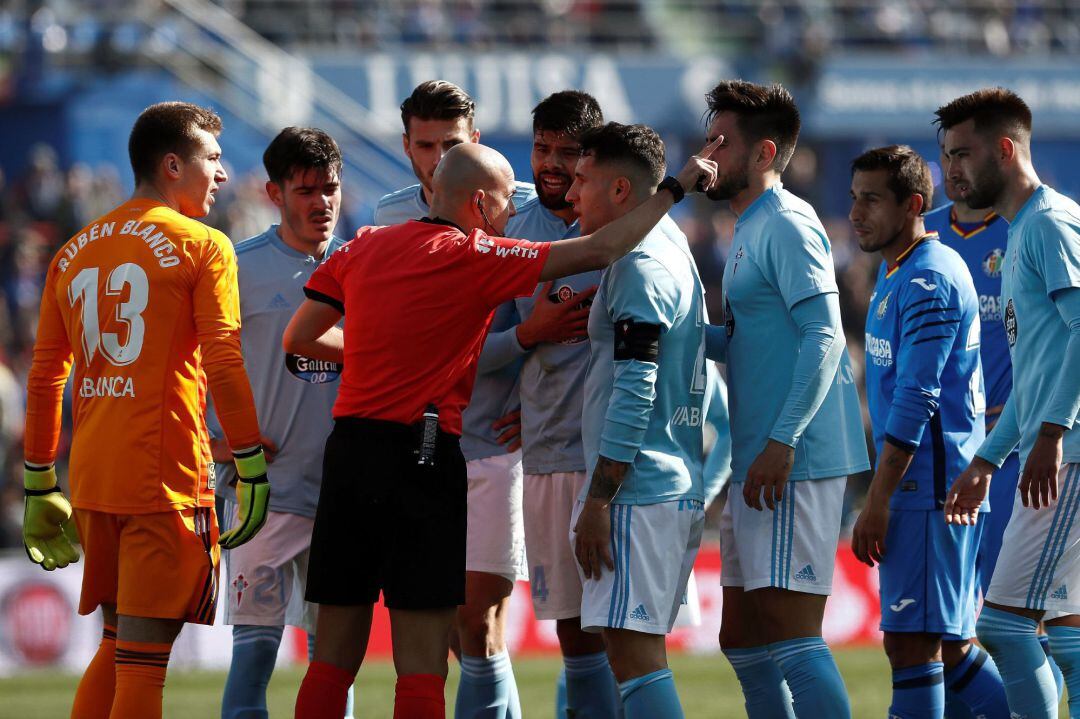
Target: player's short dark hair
299,149
638,145
764,112
994,109
569,112
437,100
908,172
167,127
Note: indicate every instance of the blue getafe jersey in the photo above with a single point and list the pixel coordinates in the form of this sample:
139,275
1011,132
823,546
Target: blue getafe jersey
780,256
924,382
553,374
982,247
294,395
1043,258
493,392
649,414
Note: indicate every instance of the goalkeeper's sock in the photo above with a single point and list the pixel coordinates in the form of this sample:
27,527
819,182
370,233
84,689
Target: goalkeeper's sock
1025,671
140,679
976,682
1059,678
486,688
765,693
323,691
94,697
254,654
918,692
419,696
817,689
1065,646
350,698
591,689
652,695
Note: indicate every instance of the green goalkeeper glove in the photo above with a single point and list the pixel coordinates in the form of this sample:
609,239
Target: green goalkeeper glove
49,534
252,496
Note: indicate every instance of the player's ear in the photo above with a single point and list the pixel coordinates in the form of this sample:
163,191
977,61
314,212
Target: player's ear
171,165
766,154
915,204
475,136
620,190
1006,148
274,192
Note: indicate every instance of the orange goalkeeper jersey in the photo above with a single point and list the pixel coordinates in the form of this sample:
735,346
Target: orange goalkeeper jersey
145,302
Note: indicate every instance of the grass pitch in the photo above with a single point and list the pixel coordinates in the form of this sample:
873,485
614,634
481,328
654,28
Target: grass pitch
706,684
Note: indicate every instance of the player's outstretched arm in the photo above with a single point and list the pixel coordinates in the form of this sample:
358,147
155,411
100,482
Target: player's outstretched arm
612,241
312,332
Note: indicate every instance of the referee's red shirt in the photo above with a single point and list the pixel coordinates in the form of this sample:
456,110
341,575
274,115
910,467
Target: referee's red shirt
418,298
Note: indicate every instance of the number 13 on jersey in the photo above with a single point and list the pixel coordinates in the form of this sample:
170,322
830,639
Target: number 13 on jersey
128,313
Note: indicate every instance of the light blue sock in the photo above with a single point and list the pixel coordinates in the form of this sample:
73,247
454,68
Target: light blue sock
976,683
254,655
1012,642
817,689
918,692
651,696
560,695
350,696
1059,679
484,691
591,691
765,692
1065,648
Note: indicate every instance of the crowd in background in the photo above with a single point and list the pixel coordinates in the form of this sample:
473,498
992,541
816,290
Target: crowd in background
46,204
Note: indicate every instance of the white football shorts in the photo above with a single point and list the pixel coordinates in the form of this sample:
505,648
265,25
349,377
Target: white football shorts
553,575
495,542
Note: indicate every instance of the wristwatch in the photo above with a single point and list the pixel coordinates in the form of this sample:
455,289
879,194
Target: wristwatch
674,186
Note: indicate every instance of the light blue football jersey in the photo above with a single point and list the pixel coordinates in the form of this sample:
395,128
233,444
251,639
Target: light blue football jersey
553,374
494,392
1043,257
780,256
982,245
649,414
924,384
294,395
717,468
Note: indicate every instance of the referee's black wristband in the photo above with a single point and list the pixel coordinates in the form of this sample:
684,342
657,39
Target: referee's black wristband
674,186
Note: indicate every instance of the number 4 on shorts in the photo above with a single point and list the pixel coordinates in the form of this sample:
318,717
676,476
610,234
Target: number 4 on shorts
539,584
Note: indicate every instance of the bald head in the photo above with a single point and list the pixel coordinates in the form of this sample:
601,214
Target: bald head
472,186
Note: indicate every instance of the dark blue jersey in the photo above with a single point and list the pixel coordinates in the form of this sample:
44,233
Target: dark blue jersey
982,246
924,383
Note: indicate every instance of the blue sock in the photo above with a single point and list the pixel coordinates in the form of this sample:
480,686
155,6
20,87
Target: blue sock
652,695
591,692
485,688
765,692
1012,642
976,682
1065,648
918,692
817,690
350,696
254,655
560,695
955,708
1059,679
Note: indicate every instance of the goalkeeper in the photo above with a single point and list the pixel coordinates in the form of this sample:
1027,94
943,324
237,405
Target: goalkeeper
142,307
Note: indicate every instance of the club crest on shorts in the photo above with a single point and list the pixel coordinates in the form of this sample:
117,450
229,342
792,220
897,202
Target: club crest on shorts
883,307
240,584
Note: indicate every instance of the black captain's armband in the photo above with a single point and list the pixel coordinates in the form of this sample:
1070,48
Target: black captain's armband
637,341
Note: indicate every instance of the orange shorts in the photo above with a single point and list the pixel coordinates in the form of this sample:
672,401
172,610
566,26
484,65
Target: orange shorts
162,565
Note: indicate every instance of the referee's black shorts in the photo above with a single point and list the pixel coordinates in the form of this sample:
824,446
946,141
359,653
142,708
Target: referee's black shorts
385,523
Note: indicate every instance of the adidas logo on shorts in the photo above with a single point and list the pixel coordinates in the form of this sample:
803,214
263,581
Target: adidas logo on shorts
279,303
640,614
1060,593
806,574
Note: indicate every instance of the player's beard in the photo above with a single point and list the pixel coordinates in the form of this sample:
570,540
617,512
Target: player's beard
986,187
729,185
554,202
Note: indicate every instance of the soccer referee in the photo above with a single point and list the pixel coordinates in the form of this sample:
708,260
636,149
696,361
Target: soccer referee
417,299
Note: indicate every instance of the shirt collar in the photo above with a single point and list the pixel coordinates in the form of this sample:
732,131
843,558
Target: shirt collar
441,221
890,269
274,234
759,202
